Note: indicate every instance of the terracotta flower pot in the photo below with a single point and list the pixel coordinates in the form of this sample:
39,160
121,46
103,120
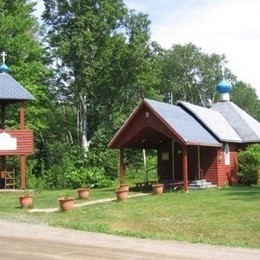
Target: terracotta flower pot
83,193
66,203
158,188
26,201
124,187
121,195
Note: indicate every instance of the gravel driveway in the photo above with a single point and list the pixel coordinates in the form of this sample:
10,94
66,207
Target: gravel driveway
38,241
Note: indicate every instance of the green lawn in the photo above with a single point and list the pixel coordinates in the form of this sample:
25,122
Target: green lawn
226,216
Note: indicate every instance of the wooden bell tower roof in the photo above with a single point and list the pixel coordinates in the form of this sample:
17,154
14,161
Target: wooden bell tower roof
10,90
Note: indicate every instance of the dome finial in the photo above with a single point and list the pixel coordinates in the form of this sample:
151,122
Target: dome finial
223,71
3,67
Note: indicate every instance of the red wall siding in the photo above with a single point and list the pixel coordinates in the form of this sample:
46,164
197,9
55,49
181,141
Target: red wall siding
209,164
227,173
214,168
24,142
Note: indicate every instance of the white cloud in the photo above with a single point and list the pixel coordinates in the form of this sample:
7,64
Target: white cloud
222,26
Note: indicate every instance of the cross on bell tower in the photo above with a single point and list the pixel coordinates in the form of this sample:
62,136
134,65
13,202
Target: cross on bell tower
3,54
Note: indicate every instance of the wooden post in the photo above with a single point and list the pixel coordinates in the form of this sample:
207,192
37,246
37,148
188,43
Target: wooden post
3,166
23,171
2,116
121,166
185,167
22,115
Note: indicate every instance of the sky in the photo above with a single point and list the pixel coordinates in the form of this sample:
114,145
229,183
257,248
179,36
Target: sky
230,27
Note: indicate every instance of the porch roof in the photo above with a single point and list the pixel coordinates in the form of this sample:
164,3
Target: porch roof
183,123
177,124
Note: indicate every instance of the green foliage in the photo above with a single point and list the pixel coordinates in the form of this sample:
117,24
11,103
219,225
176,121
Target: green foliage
189,74
68,168
102,157
72,178
249,164
25,56
246,98
91,177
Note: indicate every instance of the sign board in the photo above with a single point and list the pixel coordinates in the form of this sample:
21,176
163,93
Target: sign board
16,142
7,142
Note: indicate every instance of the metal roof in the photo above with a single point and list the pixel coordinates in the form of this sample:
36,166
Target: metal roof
11,90
245,126
182,123
214,121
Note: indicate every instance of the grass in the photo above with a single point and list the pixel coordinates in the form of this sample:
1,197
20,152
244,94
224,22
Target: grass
226,216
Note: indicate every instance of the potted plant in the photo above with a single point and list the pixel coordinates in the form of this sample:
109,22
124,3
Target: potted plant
26,199
83,192
122,194
123,186
66,202
158,188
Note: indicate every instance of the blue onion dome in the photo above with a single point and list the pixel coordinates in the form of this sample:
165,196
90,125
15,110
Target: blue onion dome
224,87
4,69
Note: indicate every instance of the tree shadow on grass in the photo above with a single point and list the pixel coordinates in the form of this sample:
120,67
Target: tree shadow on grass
244,192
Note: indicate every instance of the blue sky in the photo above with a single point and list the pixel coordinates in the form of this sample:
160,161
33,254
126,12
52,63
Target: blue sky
230,27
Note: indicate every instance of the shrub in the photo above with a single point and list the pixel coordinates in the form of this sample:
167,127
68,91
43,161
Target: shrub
92,176
249,163
75,177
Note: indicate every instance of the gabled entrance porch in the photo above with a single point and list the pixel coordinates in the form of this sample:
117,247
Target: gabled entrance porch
179,146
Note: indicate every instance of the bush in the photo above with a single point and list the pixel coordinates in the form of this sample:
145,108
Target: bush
249,163
87,177
71,177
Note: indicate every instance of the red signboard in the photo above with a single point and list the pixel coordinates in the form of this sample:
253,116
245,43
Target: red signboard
16,142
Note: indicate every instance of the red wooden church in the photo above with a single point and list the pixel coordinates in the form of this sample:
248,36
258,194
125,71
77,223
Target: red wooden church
196,145
13,142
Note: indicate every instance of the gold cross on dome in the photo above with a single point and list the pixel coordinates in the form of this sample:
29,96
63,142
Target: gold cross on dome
3,54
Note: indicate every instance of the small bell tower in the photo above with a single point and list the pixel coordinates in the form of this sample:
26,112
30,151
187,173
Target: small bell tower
13,142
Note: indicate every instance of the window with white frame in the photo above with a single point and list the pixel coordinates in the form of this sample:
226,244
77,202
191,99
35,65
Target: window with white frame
227,155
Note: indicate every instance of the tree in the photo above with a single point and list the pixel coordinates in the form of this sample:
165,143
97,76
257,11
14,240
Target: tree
27,60
101,51
79,32
189,74
246,98
25,55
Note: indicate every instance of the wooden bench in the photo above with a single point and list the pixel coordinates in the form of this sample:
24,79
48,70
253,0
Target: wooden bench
144,184
176,185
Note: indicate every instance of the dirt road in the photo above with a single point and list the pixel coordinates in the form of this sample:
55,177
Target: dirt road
31,241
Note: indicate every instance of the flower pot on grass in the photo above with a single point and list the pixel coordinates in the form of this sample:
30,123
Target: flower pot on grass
121,195
83,193
158,188
26,201
124,187
66,203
